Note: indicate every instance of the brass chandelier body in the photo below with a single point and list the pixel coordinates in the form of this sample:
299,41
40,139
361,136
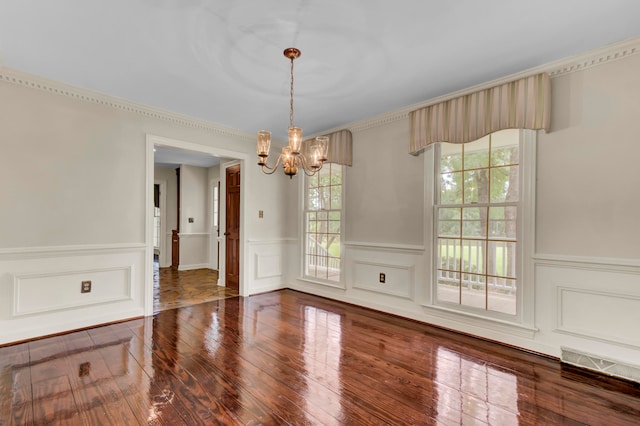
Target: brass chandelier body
291,155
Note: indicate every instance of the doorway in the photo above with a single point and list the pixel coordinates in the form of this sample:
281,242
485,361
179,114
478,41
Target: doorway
213,289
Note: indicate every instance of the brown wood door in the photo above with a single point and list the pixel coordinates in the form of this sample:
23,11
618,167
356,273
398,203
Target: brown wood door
232,228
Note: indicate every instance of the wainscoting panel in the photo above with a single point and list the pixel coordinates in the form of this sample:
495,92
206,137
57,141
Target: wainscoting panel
591,306
266,257
40,288
614,317
398,279
52,291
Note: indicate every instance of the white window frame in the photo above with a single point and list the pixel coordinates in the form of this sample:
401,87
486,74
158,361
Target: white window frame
525,237
303,233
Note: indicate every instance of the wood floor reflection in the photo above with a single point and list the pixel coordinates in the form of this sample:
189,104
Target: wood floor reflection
176,289
292,358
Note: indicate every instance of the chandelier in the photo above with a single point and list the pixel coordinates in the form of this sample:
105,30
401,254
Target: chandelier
291,156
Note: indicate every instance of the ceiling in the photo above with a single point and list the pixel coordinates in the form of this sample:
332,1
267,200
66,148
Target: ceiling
221,60
166,156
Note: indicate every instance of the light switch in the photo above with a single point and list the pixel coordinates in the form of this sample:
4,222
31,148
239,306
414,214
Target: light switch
260,214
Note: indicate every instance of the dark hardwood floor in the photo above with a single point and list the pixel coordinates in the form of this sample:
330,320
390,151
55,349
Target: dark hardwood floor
292,358
175,289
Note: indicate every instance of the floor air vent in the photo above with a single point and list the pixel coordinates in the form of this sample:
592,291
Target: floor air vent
606,366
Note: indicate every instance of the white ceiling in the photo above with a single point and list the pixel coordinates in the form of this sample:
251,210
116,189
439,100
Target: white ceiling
221,60
166,156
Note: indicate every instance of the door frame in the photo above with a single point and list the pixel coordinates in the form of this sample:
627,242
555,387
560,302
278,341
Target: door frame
235,157
162,259
222,267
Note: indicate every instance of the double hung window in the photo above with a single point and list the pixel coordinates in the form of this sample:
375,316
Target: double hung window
478,205
323,220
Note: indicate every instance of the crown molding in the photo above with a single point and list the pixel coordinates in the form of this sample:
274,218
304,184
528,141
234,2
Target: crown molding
21,78
568,65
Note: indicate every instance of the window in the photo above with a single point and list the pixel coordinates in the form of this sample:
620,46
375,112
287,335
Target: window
323,216
156,227
478,223
216,205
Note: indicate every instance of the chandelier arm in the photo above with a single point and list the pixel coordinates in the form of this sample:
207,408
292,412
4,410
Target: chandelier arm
272,169
305,167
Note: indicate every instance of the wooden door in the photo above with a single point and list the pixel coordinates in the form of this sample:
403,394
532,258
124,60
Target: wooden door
232,228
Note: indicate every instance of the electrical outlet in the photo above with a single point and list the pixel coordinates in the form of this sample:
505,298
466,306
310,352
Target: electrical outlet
260,214
85,287
383,277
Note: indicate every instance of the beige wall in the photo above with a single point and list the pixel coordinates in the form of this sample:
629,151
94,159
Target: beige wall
73,185
586,267
588,168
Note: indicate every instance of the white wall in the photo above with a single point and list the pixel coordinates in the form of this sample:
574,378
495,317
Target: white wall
194,236
169,221
73,185
587,261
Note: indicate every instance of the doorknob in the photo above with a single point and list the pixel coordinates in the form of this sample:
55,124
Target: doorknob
227,233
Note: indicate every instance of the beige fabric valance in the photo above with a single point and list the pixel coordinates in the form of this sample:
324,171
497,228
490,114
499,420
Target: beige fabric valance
520,104
340,147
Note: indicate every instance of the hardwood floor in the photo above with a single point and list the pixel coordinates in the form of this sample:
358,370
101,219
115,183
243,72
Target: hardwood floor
175,289
292,358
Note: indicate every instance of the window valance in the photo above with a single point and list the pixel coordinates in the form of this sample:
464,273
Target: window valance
340,147
520,104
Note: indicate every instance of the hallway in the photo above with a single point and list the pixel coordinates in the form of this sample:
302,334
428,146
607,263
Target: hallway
176,289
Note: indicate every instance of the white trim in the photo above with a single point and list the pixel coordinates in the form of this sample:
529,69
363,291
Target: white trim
416,249
239,158
194,266
70,249
585,262
193,234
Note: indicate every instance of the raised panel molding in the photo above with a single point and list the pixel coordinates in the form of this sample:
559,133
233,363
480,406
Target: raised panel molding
399,278
268,265
601,315
32,292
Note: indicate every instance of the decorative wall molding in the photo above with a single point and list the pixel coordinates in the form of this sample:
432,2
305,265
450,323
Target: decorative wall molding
27,302
399,280
563,66
31,81
8,253
405,248
573,319
267,265
586,262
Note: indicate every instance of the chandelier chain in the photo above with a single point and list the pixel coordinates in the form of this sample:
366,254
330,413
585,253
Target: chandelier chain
291,97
